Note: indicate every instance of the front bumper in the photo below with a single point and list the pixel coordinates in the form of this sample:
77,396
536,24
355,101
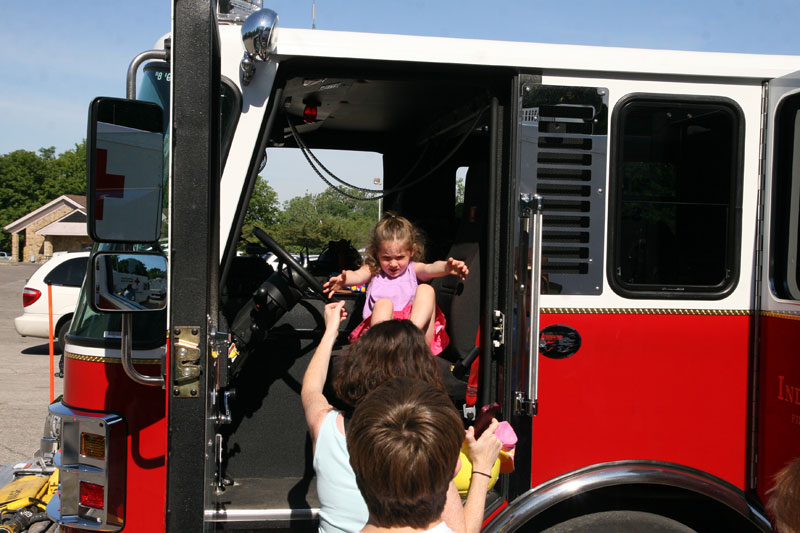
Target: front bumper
33,325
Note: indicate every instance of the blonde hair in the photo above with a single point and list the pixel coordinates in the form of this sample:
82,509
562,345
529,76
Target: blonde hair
394,228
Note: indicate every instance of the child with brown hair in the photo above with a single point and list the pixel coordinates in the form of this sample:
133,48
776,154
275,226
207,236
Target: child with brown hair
404,442
784,499
393,271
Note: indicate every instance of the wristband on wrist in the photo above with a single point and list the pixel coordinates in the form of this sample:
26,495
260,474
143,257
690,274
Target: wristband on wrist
481,474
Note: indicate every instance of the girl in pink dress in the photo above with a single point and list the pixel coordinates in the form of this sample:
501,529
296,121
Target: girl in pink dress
393,272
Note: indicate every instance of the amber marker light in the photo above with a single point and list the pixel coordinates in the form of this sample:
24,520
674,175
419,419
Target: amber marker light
93,446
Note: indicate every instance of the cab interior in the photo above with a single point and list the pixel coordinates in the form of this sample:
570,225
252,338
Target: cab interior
426,122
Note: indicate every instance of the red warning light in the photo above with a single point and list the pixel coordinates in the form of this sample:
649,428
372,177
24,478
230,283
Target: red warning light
310,114
92,495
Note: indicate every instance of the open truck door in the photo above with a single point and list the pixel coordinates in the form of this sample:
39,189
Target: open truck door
778,413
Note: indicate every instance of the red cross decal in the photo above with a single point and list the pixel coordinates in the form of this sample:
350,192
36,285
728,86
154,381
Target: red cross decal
106,185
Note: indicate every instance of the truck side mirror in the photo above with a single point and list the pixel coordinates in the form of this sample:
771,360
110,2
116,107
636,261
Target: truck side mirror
125,162
126,282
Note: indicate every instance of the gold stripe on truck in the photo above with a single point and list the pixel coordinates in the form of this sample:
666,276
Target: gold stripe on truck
115,360
789,315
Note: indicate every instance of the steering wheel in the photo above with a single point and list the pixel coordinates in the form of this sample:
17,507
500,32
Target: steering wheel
286,257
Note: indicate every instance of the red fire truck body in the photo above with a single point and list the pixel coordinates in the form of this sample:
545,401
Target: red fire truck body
629,218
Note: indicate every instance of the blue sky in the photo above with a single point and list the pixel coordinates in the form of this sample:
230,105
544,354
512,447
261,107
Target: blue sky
55,56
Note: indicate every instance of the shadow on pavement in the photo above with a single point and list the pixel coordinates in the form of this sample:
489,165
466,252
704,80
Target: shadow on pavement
6,474
41,349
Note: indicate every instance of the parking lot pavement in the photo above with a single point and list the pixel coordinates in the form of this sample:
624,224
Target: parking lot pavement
24,372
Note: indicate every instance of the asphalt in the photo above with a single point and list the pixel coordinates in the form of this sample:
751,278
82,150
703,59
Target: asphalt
24,373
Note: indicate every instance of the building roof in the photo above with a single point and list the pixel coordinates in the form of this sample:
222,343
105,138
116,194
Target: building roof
78,199
72,224
77,202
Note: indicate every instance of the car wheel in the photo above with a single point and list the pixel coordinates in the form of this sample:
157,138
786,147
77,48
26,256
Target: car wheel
620,522
62,334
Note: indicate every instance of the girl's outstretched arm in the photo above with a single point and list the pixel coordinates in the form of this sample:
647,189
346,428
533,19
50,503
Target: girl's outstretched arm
315,405
439,269
347,277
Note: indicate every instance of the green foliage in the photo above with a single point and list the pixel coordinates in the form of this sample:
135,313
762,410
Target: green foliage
459,197
156,273
132,266
263,211
264,208
308,222
29,180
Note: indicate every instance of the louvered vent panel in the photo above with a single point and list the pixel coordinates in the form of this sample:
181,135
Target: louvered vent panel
565,164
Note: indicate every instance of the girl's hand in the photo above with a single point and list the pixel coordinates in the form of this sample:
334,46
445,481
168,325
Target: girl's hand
484,451
335,314
335,283
457,268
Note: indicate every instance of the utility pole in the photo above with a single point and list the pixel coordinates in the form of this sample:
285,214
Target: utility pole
313,14
377,181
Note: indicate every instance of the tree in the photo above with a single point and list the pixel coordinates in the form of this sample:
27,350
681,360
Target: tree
311,221
69,176
264,211
264,208
28,181
459,197
48,154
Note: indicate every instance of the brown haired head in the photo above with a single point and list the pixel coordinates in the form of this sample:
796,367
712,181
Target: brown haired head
784,499
394,228
395,348
403,441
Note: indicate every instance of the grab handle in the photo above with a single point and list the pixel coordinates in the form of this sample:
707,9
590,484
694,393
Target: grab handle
526,399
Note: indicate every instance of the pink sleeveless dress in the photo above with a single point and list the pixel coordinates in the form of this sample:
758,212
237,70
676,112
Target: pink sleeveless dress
401,291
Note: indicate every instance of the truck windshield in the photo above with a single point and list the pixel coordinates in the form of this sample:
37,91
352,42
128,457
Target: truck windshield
155,88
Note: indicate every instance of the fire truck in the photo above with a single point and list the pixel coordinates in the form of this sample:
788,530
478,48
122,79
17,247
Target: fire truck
630,221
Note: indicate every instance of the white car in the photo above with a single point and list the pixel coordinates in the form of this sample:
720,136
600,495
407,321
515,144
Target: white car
65,272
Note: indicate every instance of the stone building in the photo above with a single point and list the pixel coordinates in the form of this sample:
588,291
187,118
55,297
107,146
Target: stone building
58,226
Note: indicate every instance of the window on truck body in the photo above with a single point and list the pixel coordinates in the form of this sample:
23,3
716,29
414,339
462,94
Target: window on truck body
784,271
676,183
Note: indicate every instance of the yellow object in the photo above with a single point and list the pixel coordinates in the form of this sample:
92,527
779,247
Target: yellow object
50,489
34,489
506,461
22,492
464,476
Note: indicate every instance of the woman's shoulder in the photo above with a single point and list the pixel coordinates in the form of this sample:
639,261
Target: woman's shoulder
334,418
